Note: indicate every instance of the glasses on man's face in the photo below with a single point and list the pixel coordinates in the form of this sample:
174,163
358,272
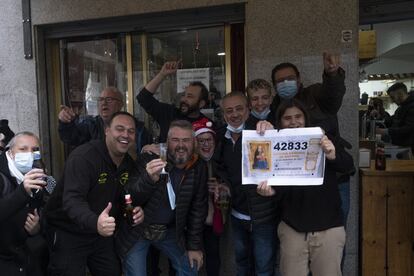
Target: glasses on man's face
207,141
107,99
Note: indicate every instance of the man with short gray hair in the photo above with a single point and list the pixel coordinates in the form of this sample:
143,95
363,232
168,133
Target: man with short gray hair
76,130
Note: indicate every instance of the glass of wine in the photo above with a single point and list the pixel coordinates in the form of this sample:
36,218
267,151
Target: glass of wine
163,155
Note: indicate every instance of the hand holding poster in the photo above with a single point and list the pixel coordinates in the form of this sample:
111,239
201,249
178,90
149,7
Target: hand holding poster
291,156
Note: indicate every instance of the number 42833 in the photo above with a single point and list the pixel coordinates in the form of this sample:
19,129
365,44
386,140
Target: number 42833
291,146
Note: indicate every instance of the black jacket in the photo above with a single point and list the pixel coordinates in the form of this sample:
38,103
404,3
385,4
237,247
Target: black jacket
86,128
316,208
244,198
322,100
162,113
15,204
252,121
401,127
191,204
90,180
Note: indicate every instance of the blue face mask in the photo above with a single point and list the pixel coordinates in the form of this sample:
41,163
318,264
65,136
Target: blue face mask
235,129
23,161
287,89
261,115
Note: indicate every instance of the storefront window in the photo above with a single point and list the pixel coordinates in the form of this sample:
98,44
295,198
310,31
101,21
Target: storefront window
201,52
91,66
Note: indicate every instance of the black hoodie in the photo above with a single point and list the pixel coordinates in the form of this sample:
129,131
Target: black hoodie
90,180
14,207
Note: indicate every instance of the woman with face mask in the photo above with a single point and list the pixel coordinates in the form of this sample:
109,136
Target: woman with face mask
18,220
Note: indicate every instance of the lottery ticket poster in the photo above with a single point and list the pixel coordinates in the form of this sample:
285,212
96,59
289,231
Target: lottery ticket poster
287,157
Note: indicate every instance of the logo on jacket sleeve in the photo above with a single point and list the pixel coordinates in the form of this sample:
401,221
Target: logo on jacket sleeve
124,178
102,178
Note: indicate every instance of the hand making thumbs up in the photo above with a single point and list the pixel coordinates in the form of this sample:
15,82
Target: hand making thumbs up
106,224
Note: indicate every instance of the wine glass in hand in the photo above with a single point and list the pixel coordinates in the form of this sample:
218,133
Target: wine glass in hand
163,155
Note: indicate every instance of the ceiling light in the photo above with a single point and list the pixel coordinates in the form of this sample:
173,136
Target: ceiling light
221,54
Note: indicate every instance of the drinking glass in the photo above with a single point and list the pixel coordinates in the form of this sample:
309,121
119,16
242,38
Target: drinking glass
163,155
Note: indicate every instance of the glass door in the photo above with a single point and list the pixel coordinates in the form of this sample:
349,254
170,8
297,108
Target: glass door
202,54
82,67
88,67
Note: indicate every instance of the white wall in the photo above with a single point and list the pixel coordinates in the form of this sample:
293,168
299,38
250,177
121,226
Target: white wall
18,96
382,85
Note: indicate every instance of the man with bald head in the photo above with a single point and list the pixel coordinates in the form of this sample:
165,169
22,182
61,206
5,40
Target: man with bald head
253,217
76,130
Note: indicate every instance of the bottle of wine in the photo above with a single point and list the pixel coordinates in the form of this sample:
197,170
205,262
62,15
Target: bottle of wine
129,209
380,161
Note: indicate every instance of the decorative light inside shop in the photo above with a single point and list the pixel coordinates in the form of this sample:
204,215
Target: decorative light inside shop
397,76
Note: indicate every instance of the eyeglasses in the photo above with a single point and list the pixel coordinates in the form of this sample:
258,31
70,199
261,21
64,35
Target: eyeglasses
207,141
107,99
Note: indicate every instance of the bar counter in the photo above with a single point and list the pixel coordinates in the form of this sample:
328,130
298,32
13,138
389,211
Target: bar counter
387,219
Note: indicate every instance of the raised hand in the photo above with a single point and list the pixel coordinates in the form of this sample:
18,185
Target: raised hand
331,62
106,223
170,67
66,114
328,148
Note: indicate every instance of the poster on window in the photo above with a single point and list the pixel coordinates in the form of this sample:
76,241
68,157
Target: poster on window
287,157
185,76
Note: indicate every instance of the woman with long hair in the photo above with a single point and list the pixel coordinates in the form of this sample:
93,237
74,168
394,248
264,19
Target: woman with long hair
311,231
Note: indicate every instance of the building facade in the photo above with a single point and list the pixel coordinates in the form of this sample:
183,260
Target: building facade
255,35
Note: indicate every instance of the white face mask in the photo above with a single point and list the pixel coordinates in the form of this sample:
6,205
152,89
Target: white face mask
235,129
261,115
23,161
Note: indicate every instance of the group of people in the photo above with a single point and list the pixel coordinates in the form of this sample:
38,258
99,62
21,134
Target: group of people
181,205
397,129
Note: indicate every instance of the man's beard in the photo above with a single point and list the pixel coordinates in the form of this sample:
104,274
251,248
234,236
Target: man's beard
190,109
180,160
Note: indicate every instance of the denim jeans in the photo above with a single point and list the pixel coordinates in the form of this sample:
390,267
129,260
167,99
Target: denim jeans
262,241
135,261
344,192
212,250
